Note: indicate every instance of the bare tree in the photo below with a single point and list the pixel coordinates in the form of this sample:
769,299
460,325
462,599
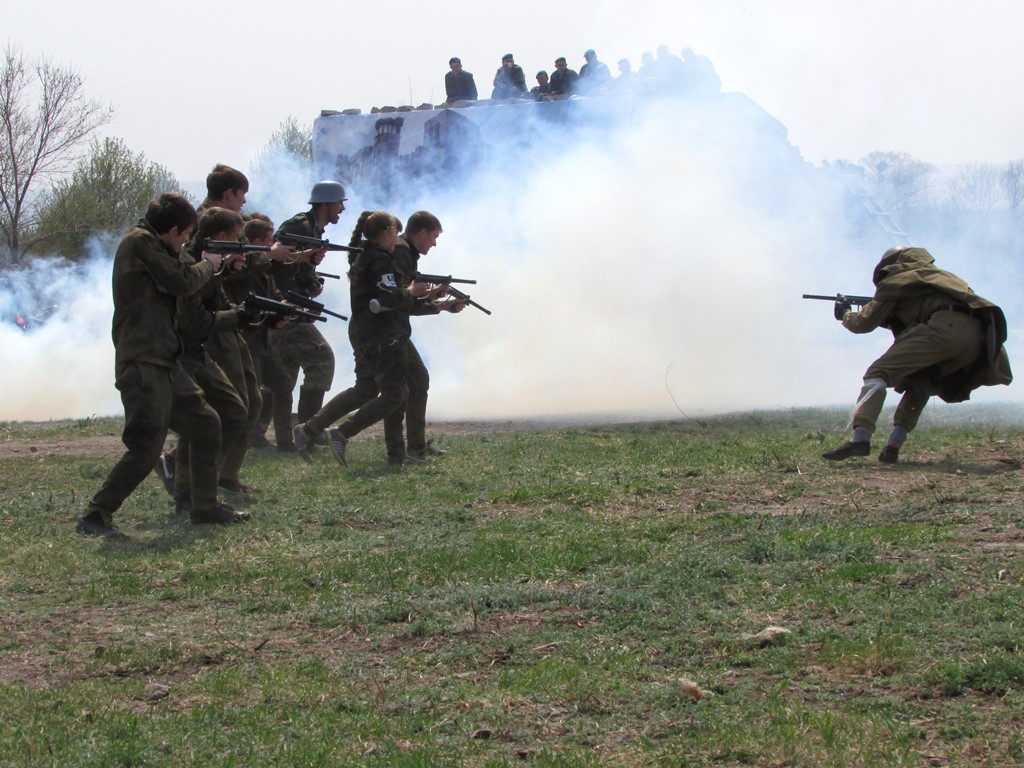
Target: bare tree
901,181
975,188
1012,181
44,117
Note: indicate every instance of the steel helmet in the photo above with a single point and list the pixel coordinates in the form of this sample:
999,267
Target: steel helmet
327,192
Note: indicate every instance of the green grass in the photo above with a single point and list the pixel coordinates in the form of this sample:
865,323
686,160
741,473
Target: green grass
534,597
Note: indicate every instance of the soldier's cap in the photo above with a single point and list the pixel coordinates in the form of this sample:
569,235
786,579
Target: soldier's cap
454,60
560,60
507,57
542,72
589,52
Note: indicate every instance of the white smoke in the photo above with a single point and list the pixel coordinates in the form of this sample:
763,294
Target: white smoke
631,273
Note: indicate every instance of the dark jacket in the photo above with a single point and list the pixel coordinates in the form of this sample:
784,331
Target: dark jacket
459,86
377,277
300,277
563,82
147,281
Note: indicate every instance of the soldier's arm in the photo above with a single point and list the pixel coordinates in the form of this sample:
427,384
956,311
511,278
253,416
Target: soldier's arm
872,315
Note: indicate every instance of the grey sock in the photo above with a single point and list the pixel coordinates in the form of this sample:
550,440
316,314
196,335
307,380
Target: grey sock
898,436
861,435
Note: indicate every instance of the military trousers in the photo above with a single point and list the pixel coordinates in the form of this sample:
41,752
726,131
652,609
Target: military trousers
414,412
361,392
225,400
949,342
389,372
155,399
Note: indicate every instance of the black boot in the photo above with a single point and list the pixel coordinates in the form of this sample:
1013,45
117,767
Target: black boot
311,401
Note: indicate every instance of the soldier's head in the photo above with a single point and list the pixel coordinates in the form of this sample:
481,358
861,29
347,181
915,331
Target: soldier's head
507,61
542,77
259,230
590,55
890,257
220,224
328,201
379,227
560,63
173,218
455,63
422,230
226,187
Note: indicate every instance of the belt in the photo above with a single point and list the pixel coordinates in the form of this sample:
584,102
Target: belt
962,309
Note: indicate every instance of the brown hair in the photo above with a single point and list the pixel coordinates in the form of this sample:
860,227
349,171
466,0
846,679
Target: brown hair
215,220
258,227
369,226
168,211
420,221
223,178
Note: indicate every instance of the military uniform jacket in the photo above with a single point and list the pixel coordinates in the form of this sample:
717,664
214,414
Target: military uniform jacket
459,87
909,290
300,277
376,276
204,313
147,281
563,81
407,260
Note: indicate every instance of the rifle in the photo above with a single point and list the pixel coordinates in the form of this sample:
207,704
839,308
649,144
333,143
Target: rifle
327,274
860,301
314,242
278,308
458,295
311,304
231,246
376,307
420,277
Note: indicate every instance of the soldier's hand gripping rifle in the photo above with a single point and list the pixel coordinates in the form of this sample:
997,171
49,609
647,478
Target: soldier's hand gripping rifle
261,305
314,243
310,304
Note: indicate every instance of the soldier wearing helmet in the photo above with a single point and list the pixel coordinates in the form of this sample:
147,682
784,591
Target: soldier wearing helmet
948,342
299,345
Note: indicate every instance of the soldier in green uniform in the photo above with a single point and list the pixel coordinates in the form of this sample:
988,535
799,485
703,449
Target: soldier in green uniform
216,356
299,345
259,230
156,394
948,342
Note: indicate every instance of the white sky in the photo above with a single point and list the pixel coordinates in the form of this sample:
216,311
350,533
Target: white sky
199,83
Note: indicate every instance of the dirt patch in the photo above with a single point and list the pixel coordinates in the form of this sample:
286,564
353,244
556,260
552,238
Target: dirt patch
110,446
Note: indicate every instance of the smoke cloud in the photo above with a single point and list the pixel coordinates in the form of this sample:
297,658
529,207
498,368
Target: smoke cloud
635,265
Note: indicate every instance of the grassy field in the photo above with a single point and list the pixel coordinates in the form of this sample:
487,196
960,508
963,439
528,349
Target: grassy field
559,596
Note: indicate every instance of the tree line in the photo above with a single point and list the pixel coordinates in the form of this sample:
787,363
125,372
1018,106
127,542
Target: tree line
59,184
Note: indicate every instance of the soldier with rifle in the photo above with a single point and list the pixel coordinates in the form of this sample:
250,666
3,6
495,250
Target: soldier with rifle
148,279
299,345
948,342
